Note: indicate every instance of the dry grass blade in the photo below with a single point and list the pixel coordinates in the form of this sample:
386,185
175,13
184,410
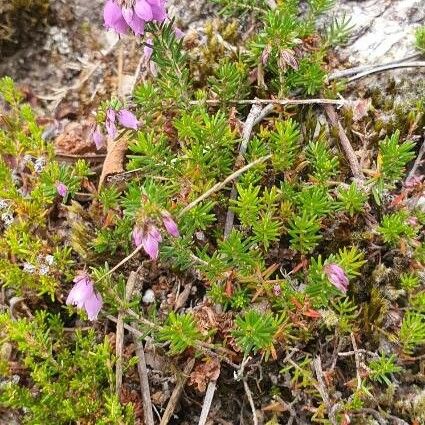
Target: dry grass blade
175,396
209,395
144,383
131,282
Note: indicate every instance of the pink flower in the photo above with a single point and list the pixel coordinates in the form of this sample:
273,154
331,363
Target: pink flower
277,290
83,295
113,18
150,242
98,138
128,119
62,189
122,16
337,276
170,225
111,128
149,238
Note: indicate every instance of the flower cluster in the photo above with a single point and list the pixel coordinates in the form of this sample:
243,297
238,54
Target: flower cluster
83,295
150,237
125,15
337,277
124,117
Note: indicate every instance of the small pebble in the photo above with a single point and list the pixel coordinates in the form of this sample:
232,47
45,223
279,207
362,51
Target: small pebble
149,297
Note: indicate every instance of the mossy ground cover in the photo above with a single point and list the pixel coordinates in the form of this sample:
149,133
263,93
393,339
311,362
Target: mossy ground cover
262,233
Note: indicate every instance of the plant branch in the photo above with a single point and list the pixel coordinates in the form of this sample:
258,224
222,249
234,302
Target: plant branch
217,187
250,122
345,143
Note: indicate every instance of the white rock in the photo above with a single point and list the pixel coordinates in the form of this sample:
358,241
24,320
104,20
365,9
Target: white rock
149,297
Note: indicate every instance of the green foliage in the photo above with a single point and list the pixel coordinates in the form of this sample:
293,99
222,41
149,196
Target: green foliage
323,163
284,144
409,281
230,81
420,38
315,201
382,368
395,226
72,374
352,198
339,31
180,332
171,61
392,159
247,205
412,331
256,331
304,232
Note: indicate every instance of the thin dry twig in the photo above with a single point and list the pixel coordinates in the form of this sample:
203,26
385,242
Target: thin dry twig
358,69
131,282
367,72
144,382
417,162
359,351
175,396
345,143
121,263
209,395
357,360
282,102
250,122
321,387
222,184
251,402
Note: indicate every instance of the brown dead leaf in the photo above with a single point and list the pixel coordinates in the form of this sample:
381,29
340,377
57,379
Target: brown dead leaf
114,161
205,372
76,139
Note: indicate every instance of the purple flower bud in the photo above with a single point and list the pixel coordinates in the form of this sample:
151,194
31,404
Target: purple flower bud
158,11
178,32
128,119
170,225
84,296
98,138
111,115
113,18
265,55
137,236
143,10
111,129
93,305
62,189
148,50
277,290
337,276
150,242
